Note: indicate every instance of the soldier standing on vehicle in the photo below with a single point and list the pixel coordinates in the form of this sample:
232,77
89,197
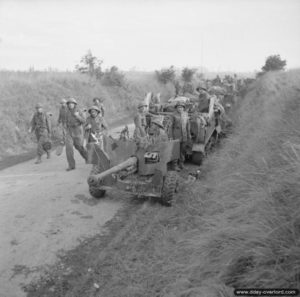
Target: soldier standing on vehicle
95,126
74,135
40,124
180,129
140,122
99,103
156,130
203,98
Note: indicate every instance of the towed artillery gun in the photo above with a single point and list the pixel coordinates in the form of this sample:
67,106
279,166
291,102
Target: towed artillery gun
141,171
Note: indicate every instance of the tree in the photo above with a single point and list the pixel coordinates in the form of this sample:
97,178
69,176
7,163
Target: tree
274,63
165,75
187,74
90,65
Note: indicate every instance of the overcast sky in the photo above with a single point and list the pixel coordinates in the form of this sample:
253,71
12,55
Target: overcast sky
221,35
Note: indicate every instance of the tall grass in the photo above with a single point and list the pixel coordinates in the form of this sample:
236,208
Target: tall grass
20,91
252,213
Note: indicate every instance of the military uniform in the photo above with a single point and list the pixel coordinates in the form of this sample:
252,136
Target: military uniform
180,129
74,135
140,123
156,130
62,117
62,120
203,101
98,125
40,124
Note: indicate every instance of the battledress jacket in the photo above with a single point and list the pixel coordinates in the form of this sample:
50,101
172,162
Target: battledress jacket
140,125
98,125
180,127
203,102
40,123
62,117
73,121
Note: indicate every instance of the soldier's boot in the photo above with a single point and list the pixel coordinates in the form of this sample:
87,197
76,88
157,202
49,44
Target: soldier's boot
70,168
48,155
38,160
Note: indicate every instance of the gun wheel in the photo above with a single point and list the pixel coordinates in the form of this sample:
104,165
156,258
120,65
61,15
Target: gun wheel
96,192
197,158
169,188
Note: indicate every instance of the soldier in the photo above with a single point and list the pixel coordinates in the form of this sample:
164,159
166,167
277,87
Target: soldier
157,131
62,117
203,98
99,103
140,122
74,135
180,129
40,124
95,126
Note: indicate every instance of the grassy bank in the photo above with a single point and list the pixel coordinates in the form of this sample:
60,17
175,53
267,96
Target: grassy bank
251,213
20,91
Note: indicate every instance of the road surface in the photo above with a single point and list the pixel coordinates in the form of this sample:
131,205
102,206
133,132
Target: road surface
43,210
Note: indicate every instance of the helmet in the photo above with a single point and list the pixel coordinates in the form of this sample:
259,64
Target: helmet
94,107
38,105
72,100
142,104
158,120
202,85
97,98
63,101
180,103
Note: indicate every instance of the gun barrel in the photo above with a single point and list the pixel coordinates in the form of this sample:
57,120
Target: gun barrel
96,179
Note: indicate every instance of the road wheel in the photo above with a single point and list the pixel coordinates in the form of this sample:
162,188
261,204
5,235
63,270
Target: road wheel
97,192
197,158
169,188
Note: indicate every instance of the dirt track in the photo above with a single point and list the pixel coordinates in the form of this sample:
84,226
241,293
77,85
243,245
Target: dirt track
43,210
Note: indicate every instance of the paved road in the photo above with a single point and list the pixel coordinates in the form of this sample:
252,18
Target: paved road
44,209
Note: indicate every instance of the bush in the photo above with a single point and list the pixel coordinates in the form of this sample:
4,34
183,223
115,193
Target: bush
274,63
187,74
113,77
90,65
165,75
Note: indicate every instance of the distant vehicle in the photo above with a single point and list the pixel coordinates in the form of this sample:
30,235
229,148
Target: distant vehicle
205,126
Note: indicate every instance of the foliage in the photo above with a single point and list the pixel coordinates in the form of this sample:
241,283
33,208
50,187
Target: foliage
187,74
274,63
165,75
90,65
113,77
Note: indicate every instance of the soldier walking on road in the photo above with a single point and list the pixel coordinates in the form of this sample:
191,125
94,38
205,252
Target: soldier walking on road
180,129
74,135
40,124
95,126
62,118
